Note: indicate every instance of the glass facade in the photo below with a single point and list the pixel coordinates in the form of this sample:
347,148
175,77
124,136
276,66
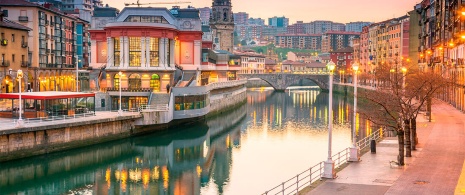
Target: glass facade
155,82
117,51
116,81
154,52
134,81
148,19
190,102
134,51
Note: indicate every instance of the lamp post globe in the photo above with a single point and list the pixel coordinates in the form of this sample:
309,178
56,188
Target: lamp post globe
354,149
120,111
20,122
328,171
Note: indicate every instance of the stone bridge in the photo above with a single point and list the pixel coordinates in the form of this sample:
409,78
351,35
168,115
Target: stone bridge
280,81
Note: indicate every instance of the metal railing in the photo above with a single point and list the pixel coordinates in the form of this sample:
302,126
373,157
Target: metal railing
314,173
159,107
54,118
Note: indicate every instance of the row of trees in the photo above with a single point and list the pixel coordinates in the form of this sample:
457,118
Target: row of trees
402,92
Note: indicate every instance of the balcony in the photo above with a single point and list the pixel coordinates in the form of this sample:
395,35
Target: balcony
5,63
25,64
24,44
3,42
23,19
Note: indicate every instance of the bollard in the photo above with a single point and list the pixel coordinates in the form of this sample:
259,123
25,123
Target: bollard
373,146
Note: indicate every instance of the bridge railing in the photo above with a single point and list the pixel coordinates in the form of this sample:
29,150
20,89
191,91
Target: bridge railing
314,173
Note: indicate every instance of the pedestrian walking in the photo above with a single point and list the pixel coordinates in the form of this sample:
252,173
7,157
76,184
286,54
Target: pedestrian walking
168,88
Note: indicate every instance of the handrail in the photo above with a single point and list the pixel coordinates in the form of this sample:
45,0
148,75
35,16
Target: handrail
308,176
190,80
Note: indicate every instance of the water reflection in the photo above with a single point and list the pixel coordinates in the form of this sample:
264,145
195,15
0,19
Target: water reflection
246,151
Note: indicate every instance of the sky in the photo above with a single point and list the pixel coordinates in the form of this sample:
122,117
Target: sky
343,11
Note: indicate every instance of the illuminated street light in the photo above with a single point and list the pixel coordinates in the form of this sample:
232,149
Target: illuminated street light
329,164
354,150
19,75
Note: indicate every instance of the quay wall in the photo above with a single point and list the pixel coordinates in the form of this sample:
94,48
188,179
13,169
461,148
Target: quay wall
36,140
29,141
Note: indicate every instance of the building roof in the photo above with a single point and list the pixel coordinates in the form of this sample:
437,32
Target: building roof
105,12
13,25
290,62
188,13
342,33
316,65
344,50
307,54
249,53
299,35
23,3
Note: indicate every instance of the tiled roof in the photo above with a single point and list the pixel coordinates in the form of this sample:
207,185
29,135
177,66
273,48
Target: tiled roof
316,65
10,24
344,50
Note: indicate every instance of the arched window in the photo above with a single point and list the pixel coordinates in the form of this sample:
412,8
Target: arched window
116,81
155,82
134,81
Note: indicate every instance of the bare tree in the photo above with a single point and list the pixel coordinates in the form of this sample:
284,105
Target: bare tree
397,101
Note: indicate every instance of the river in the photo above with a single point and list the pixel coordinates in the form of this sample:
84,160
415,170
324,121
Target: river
247,151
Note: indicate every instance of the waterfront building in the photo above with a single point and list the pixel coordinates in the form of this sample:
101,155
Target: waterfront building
334,40
146,44
271,66
52,45
441,45
384,43
356,26
299,41
304,57
13,54
222,25
251,62
343,58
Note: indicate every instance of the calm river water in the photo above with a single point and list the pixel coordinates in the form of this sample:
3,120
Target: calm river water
248,151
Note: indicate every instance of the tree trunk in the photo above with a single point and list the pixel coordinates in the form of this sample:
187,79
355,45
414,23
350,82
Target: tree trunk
413,124
428,108
400,137
408,151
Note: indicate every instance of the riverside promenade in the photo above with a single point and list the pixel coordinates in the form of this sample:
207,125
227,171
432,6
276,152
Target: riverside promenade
436,167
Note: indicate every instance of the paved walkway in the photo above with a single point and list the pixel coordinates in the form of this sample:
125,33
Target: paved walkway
436,167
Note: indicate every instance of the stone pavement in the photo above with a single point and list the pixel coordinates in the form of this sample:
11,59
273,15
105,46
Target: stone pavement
436,167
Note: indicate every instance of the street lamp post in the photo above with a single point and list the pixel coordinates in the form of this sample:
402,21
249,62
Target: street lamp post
19,75
329,164
354,150
120,112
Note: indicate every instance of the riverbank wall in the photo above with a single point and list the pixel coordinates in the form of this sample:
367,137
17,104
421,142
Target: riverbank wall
50,137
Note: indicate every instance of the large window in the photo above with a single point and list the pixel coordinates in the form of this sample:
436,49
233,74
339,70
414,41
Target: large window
134,51
154,51
117,50
134,81
155,82
148,19
190,102
116,82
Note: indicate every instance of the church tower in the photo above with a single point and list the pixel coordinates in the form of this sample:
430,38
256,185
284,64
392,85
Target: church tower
222,25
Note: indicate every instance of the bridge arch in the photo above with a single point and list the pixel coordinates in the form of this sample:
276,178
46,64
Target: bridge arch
280,81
